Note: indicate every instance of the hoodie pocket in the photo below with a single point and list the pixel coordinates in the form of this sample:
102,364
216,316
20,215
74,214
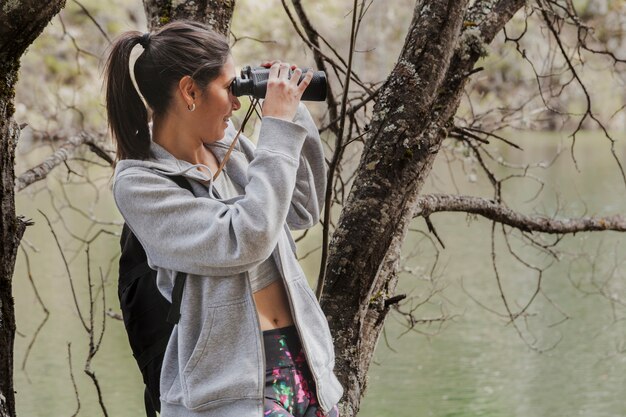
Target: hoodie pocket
224,364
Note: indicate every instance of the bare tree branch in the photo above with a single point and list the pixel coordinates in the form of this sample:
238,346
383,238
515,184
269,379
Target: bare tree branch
43,307
93,19
94,345
69,360
60,156
433,203
337,154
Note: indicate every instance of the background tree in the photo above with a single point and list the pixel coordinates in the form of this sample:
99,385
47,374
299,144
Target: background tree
22,22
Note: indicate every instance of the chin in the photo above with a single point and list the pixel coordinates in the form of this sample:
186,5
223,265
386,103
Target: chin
219,136
215,138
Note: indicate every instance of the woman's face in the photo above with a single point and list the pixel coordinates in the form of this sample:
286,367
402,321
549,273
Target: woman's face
217,104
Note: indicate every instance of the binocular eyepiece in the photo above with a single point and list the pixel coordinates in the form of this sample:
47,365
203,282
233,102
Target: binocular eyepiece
253,82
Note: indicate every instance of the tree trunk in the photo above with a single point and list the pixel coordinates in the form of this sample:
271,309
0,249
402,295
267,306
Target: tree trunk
20,24
217,14
411,118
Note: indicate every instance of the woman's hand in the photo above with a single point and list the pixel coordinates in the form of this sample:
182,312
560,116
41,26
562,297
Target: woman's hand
283,94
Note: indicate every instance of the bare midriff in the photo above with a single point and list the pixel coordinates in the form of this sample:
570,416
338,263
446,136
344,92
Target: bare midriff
273,306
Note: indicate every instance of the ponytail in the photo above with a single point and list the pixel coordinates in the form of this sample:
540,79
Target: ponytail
127,114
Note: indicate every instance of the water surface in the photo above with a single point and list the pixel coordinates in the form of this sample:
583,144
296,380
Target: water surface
475,364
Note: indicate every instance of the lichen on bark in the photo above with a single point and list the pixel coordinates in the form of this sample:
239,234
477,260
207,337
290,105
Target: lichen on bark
10,5
8,80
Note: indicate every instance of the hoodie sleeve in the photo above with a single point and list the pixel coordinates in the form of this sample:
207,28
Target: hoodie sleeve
309,193
203,236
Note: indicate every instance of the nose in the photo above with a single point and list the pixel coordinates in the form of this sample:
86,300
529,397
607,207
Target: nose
235,101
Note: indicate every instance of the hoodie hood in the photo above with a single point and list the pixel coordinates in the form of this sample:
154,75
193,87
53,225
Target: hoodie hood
163,162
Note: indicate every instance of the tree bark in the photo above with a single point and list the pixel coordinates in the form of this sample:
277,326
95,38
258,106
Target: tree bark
217,14
411,117
20,24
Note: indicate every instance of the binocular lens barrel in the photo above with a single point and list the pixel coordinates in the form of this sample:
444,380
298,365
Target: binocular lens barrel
253,82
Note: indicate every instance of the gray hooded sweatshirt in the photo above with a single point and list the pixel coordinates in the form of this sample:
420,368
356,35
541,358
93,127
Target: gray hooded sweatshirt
214,365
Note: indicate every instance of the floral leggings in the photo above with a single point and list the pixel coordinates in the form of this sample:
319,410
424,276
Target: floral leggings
289,386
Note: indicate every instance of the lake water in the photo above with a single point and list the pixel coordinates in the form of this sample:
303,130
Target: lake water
566,357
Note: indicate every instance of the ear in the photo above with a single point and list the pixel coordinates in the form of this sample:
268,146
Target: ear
188,89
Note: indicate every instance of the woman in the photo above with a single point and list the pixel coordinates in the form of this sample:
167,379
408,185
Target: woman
252,340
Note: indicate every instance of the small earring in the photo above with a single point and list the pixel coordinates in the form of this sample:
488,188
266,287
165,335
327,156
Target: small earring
192,107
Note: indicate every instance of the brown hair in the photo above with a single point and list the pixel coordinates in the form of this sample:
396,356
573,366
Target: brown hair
177,49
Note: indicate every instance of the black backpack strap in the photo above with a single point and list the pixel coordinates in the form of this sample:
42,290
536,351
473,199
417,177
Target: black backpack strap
182,182
177,298
179,282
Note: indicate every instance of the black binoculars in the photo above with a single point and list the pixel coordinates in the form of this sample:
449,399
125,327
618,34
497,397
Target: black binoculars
253,82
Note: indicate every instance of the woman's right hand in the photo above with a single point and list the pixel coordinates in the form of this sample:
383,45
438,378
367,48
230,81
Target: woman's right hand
283,94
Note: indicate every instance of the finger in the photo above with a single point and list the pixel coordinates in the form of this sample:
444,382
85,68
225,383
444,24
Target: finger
274,70
284,70
295,76
306,80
